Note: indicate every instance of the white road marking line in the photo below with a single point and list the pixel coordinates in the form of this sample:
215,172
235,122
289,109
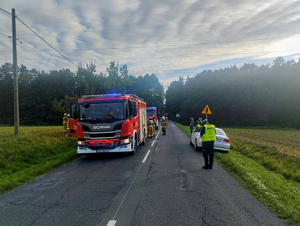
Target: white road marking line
146,156
152,143
111,223
156,136
127,191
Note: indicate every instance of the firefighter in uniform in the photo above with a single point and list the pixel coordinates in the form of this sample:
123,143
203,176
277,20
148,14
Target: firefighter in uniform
68,126
154,126
166,121
149,126
208,137
164,126
65,121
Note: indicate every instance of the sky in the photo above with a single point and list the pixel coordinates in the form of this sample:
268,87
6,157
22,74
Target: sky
169,38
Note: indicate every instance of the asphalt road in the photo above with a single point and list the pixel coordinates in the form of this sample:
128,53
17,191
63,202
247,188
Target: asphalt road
163,184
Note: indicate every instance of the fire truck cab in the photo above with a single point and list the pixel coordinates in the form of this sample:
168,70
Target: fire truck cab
109,123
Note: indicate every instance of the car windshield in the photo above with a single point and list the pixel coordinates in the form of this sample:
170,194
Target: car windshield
103,111
220,132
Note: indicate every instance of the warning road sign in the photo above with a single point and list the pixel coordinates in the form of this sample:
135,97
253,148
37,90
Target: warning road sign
206,111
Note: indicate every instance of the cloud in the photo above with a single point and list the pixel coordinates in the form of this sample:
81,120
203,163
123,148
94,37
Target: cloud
152,36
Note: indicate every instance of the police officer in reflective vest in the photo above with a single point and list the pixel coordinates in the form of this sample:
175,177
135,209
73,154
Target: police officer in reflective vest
199,122
208,137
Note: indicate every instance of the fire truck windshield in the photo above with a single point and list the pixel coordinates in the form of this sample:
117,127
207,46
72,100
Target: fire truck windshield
151,112
103,111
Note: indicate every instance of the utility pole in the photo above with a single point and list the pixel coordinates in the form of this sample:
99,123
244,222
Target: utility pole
15,72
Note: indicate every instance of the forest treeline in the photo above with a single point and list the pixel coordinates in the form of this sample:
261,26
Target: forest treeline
266,95
45,96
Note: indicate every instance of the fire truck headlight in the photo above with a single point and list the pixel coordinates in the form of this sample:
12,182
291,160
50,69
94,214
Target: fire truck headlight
81,143
125,141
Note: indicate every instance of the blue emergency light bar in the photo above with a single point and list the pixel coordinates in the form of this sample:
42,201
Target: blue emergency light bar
110,95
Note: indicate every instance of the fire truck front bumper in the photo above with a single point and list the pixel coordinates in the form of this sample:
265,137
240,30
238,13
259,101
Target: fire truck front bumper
94,150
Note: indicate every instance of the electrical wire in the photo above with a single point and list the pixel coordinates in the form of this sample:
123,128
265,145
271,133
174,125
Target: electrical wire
46,42
5,35
5,11
192,56
39,54
184,45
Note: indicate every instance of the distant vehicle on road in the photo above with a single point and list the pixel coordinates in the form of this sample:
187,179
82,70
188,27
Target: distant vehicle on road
222,143
153,111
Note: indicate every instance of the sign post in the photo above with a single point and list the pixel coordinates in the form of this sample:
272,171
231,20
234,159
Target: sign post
177,116
206,111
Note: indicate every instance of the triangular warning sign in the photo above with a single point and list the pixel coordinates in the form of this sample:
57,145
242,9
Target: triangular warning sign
206,111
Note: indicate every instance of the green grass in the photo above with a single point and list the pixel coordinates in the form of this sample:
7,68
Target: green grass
258,162
36,151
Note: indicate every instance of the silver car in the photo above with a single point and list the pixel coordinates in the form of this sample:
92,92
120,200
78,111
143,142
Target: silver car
222,143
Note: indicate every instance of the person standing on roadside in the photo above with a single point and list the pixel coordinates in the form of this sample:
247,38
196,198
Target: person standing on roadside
199,122
150,127
192,123
154,125
208,137
164,126
65,121
68,126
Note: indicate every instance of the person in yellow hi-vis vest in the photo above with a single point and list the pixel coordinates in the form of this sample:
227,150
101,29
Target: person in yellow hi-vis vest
154,126
65,121
164,126
208,137
149,123
199,122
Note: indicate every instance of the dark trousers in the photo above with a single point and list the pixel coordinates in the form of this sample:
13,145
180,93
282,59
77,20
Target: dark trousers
208,153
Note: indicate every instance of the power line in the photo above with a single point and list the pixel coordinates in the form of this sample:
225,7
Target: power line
5,35
40,38
192,56
5,11
174,45
39,54
46,41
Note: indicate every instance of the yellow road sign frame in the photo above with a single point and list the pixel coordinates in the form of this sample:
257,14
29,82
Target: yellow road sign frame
206,110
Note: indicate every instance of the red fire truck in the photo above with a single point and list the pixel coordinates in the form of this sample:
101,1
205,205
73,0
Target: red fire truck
109,123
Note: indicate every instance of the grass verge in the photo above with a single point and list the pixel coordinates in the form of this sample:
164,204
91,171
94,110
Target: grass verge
36,151
268,173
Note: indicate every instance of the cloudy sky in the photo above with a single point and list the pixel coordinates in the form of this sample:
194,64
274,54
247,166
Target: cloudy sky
170,38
